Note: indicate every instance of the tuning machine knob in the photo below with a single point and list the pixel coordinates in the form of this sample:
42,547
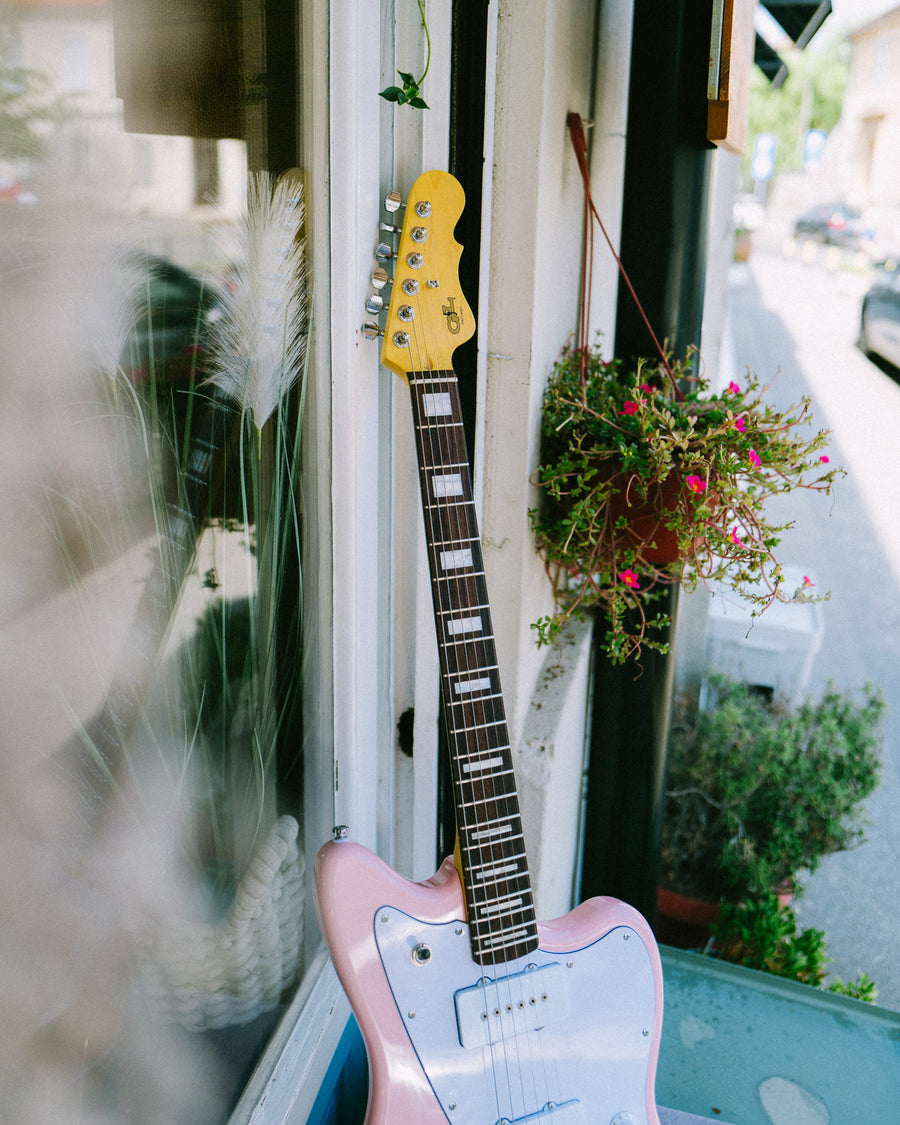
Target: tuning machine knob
371,331
392,201
374,304
384,252
380,277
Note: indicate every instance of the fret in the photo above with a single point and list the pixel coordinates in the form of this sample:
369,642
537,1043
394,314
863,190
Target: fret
493,843
457,577
479,726
439,425
491,830
446,505
509,904
496,872
504,940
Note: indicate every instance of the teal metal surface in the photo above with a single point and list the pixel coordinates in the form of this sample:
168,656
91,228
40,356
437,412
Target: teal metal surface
752,1049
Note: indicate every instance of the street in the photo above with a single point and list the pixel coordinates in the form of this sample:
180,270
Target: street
800,319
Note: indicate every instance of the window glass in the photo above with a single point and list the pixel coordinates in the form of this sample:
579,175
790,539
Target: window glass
155,281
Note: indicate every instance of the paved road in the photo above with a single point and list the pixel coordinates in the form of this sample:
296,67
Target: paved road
802,318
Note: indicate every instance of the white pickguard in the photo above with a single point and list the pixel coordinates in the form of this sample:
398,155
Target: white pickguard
564,1038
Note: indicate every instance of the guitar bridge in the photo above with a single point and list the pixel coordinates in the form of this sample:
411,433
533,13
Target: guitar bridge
563,1113
493,1010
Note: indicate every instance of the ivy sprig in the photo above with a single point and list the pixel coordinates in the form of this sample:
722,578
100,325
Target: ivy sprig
409,92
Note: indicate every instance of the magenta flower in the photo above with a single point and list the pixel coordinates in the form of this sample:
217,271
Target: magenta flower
807,582
630,408
695,484
740,425
735,538
630,579
824,460
754,459
733,388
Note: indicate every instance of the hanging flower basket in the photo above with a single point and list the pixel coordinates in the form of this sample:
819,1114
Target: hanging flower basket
648,478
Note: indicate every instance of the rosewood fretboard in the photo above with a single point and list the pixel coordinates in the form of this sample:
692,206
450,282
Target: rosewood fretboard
497,886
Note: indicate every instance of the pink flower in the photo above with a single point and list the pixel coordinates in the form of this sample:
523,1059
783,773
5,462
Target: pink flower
646,387
631,407
735,538
807,582
740,425
695,484
754,459
733,388
824,460
630,579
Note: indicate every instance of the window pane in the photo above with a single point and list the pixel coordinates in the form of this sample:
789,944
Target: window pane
154,281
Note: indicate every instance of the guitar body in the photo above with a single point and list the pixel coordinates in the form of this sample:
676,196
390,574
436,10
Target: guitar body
566,1035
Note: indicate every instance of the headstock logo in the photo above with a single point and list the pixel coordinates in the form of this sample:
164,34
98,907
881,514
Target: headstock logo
454,320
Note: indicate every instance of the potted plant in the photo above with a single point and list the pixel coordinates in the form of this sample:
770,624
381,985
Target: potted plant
764,935
757,792
648,478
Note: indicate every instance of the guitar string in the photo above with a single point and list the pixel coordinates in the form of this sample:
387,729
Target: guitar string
476,706
436,458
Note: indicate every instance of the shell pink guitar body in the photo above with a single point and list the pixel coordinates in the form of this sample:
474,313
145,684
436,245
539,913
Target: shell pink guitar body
569,1035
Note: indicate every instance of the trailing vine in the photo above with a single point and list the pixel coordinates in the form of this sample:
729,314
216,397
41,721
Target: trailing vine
409,92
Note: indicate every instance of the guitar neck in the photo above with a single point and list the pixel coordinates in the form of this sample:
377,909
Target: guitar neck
495,875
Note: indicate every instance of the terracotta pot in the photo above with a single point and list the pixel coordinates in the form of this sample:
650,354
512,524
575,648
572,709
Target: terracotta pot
644,518
687,922
682,921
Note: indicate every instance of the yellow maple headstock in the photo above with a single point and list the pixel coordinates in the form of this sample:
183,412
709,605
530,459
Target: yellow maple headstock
428,317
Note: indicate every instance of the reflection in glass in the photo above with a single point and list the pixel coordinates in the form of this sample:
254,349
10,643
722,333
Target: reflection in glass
149,637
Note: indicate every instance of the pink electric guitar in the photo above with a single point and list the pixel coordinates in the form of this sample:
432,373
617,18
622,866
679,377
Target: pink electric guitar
472,1011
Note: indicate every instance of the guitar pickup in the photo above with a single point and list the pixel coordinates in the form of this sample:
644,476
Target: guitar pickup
492,1010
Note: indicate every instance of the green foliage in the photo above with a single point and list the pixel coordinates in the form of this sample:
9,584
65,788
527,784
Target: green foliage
408,93
764,935
757,793
811,98
28,106
648,479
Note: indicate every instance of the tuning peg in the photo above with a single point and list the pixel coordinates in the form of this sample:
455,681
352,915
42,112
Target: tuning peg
380,277
383,252
392,201
371,331
374,304
389,229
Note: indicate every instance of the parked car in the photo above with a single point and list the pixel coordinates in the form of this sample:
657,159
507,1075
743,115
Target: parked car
172,312
879,321
834,223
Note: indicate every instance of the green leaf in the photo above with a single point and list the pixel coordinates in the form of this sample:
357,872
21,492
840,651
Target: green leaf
392,94
419,104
